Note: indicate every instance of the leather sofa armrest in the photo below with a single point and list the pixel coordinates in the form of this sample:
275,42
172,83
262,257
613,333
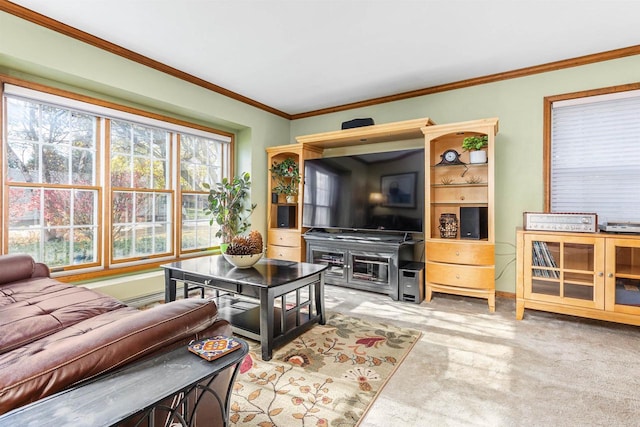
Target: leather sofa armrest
16,267
41,270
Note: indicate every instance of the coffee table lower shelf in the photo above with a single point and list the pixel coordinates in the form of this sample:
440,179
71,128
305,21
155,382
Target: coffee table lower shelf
244,315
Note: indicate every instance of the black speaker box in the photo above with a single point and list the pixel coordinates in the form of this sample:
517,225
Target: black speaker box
357,123
286,217
473,223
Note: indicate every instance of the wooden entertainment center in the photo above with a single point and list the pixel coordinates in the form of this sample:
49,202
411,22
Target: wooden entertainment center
462,265
287,242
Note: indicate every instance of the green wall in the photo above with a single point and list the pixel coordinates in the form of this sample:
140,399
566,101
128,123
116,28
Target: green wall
41,55
518,103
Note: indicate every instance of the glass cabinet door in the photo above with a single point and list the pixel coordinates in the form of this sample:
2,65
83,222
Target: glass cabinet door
564,270
623,276
370,267
334,259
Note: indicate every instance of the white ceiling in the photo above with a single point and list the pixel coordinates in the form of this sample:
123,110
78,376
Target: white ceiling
301,55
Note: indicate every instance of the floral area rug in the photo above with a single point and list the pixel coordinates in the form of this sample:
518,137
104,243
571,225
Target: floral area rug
328,376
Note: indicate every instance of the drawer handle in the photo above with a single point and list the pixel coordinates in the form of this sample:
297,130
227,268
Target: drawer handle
600,274
457,253
457,276
461,197
610,275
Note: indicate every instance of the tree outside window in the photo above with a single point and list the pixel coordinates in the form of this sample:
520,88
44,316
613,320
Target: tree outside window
53,202
201,161
141,197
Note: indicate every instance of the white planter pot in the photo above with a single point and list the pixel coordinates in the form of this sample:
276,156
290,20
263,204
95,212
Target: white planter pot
478,156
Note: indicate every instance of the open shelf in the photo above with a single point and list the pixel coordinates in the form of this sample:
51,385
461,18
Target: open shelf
479,184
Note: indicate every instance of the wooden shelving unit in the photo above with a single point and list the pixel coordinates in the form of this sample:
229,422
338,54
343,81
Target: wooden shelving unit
284,241
456,264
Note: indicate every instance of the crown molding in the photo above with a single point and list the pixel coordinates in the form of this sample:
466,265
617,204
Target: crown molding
521,72
67,30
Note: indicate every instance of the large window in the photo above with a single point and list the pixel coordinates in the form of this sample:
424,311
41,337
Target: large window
86,186
594,153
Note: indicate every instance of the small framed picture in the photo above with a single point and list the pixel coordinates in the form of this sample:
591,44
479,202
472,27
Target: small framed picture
399,190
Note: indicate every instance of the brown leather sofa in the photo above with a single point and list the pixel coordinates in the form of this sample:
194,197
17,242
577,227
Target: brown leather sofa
55,335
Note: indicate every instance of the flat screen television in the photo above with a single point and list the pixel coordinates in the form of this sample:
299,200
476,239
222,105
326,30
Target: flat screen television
375,191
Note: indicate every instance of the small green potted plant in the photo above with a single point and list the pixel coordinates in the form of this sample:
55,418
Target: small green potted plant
287,176
474,145
227,206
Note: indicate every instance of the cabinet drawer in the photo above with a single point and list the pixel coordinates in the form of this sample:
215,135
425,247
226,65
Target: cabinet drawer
461,253
285,252
460,194
283,238
465,276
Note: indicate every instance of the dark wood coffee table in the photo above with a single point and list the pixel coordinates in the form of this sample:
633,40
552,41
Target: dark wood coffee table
272,302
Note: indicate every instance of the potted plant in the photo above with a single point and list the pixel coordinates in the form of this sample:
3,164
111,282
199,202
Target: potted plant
474,145
227,206
287,176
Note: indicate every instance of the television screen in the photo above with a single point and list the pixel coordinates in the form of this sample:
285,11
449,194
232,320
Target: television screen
376,191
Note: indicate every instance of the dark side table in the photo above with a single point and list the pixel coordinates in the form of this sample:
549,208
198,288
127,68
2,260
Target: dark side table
138,392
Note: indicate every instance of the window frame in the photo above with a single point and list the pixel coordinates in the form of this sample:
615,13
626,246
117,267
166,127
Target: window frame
547,127
39,184
181,193
136,191
105,110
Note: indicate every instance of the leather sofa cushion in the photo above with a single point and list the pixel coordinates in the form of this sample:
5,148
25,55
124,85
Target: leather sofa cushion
34,308
97,345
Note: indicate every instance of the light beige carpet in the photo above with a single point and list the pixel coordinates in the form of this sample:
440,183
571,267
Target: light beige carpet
475,368
328,376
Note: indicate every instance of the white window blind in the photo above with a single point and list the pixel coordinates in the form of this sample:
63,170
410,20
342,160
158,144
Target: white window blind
595,156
